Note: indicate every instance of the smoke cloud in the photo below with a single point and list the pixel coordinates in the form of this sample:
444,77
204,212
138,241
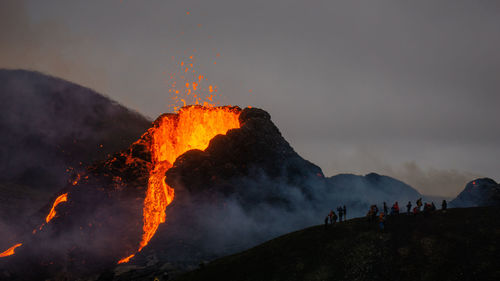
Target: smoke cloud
206,225
432,181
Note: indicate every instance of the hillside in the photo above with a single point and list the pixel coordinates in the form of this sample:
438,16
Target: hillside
51,128
461,244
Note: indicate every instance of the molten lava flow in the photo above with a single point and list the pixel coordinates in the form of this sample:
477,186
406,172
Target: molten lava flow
9,251
52,213
192,128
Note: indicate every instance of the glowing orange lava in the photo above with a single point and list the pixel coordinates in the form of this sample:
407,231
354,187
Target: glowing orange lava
192,128
50,216
59,199
10,251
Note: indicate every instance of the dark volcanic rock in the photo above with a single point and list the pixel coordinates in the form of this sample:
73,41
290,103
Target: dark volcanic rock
478,193
256,147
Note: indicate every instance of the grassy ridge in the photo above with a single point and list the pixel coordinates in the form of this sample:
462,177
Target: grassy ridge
459,244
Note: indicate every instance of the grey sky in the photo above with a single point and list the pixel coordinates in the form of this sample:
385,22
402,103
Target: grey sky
406,88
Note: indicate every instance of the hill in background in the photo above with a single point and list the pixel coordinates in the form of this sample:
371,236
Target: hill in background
50,126
479,192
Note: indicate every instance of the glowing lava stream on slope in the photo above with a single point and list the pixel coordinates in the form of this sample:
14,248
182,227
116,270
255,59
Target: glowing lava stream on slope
10,251
59,199
50,216
192,128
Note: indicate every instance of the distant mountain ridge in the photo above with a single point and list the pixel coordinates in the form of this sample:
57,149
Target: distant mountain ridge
362,191
478,193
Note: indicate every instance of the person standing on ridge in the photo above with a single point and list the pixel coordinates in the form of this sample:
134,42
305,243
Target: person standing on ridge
345,213
419,203
340,211
372,214
381,221
396,208
408,208
444,205
385,208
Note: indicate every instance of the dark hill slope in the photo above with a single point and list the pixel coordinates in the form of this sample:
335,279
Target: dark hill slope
48,125
461,244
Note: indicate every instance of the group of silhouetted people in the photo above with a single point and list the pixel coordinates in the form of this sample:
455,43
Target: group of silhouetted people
332,216
428,207
372,214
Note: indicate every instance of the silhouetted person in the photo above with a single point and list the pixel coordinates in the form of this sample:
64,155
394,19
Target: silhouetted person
408,208
419,203
326,222
433,207
345,213
334,218
385,208
396,208
381,221
339,209
372,214
444,205
427,209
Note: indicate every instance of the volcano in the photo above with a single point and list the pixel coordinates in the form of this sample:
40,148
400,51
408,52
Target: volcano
201,183
115,196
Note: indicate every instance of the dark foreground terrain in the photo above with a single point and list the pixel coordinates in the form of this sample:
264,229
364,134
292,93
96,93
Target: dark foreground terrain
459,244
